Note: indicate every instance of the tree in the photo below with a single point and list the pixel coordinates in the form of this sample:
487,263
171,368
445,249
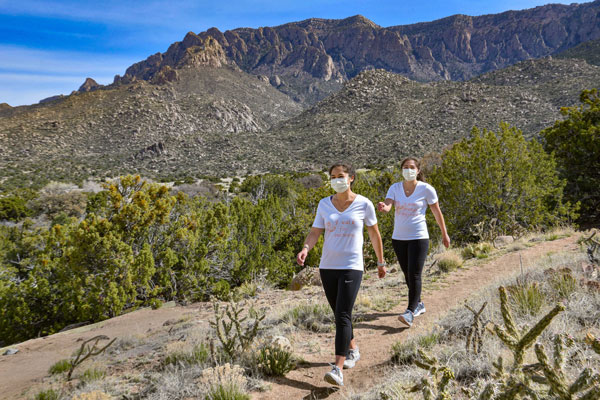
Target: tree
575,143
494,184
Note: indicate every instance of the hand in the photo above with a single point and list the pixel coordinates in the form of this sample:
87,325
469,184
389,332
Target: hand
301,257
381,206
446,240
381,272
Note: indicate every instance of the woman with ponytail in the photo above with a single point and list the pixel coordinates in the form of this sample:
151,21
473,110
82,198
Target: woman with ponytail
410,239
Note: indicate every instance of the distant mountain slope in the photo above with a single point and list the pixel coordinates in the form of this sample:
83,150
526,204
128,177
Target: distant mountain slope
589,51
305,59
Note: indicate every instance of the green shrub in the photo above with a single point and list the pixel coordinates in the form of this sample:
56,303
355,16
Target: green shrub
477,250
227,392
60,367
13,208
449,261
313,317
498,183
575,143
403,352
527,298
49,394
198,355
563,283
273,360
92,374
222,290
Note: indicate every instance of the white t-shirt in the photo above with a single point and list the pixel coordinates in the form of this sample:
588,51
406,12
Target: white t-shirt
409,212
343,245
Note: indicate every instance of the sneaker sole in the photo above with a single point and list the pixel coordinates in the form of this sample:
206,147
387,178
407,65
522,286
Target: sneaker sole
331,380
419,313
405,322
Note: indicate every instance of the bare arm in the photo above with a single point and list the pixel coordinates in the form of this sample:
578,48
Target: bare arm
385,206
375,237
309,243
439,218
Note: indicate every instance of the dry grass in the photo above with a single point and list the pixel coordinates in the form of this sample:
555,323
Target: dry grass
449,261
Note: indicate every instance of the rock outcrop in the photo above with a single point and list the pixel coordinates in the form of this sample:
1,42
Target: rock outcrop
89,85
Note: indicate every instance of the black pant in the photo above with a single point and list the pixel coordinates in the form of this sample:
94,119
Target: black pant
411,256
341,287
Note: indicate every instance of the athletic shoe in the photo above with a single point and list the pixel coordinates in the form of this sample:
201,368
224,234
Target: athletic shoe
353,357
335,376
420,309
406,318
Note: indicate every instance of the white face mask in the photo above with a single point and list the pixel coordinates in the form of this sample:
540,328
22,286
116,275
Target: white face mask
340,185
409,174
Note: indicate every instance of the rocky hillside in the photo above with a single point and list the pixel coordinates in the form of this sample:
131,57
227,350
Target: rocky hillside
140,125
589,51
379,116
307,60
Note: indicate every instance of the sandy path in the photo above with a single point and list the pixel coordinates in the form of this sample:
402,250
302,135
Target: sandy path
375,335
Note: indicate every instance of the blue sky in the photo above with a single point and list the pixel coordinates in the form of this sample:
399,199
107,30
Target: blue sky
49,47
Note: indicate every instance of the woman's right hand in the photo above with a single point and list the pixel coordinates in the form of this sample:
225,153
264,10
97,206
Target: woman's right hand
301,257
381,206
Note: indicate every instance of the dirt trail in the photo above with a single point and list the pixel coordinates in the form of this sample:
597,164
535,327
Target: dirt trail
375,335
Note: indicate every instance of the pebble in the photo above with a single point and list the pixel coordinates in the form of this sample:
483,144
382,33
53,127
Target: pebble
10,352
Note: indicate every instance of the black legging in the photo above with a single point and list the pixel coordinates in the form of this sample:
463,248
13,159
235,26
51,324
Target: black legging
341,287
411,256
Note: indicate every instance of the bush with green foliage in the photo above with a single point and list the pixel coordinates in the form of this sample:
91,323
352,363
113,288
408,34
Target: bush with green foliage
13,208
575,143
500,182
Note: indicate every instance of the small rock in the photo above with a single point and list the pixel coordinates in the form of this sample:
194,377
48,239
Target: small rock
282,342
503,240
308,276
10,352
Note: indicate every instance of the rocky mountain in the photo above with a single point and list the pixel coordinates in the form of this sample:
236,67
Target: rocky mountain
307,60
139,125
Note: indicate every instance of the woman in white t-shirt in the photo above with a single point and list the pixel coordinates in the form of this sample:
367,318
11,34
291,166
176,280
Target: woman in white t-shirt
342,218
410,238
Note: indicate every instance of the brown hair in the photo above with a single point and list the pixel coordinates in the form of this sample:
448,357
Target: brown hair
347,169
420,175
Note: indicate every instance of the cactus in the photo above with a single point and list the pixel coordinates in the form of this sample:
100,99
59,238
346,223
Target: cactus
515,340
476,331
442,375
234,337
556,379
594,342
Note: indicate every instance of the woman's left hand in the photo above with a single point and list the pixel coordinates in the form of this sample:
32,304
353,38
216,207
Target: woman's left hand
446,240
381,272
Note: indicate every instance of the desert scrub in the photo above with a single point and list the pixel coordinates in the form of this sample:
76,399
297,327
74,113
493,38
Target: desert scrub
449,260
60,367
95,395
380,303
527,298
49,394
224,382
562,283
275,360
313,317
92,374
198,354
477,250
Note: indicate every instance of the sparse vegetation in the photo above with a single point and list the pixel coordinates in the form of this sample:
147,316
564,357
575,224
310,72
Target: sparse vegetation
449,261
313,317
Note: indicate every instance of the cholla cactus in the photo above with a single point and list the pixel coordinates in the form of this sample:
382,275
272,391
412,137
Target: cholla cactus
515,340
594,342
234,335
476,331
554,376
442,375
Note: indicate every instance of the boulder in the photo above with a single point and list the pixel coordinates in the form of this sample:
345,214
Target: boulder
501,241
309,276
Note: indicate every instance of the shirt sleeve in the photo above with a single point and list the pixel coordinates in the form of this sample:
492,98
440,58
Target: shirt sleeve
431,195
390,193
370,217
319,220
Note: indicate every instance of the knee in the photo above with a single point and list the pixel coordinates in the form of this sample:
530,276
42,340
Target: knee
343,319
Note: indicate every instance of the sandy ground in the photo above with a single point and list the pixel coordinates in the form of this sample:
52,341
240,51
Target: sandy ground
375,335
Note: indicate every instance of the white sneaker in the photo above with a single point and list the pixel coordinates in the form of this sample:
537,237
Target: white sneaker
335,376
420,309
353,357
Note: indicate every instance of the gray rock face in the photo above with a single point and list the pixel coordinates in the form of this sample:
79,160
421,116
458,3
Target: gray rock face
10,352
